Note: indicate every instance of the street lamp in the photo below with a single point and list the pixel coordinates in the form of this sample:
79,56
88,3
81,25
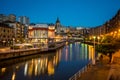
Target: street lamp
119,33
98,39
119,30
93,61
94,40
4,43
13,42
115,34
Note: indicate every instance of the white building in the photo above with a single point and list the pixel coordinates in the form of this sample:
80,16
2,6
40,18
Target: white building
38,33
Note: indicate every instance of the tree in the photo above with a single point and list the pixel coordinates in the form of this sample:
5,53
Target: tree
109,46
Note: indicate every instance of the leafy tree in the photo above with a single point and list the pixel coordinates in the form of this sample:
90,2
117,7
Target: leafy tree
109,45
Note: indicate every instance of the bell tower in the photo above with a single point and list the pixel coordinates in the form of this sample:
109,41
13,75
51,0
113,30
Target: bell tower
57,26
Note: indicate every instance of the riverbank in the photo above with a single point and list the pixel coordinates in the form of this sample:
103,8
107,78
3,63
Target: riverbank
7,53
102,71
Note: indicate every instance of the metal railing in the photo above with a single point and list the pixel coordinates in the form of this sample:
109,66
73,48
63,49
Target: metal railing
80,72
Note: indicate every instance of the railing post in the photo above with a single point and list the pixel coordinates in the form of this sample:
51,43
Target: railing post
79,73
75,76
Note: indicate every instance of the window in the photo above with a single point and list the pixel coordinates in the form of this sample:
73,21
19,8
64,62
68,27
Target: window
4,36
4,30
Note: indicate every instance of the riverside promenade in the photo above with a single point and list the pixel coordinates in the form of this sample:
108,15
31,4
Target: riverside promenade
7,53
102,71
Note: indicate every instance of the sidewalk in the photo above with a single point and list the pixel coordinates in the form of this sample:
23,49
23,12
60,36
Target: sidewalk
102,71
4,49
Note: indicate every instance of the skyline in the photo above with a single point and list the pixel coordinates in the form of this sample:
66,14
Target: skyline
86,13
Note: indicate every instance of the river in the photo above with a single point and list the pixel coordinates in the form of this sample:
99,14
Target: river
57,65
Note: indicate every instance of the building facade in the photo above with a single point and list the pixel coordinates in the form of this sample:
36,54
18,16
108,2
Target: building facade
57,27
10,17
51,31
6,35
24,20
3,18
111,27
38,33
19,35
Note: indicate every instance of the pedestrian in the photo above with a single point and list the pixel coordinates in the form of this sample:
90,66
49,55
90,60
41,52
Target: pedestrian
101,57
111,77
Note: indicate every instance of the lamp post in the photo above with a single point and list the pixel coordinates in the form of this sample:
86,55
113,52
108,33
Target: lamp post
98,39
13,42
119,33
4,43
93,61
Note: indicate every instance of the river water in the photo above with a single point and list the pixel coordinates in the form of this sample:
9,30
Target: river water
58,65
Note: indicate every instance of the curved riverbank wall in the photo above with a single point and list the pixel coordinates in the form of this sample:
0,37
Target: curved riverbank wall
17,53
25,52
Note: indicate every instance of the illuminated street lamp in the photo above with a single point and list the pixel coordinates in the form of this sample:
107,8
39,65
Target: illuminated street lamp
93,61
115,34
4,42
111,33
13,42
119,30
119,33
98,39
94,40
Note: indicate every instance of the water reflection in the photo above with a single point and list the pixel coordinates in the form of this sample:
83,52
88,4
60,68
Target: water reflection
13,76
71,51
59,65
91,51
42,65
66,53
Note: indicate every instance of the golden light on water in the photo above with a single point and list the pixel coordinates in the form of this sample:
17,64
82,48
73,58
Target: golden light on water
66,53
25,69
50,68
90,52
3,70
17,67
13,76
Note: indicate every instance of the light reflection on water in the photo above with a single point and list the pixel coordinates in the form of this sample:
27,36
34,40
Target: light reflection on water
59,65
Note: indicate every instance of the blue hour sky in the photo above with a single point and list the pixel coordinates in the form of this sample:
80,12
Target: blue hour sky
87,13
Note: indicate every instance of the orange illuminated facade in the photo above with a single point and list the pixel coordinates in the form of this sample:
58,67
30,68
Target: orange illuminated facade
38,33
51,31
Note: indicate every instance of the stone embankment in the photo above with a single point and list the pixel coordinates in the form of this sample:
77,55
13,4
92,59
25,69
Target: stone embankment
6,53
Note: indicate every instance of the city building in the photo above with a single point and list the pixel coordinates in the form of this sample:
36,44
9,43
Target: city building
19,35
57,27
6,35
111,27
3,18
24,20
38,33
10,17
51,31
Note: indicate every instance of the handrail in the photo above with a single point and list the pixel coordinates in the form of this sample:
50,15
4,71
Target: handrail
80,72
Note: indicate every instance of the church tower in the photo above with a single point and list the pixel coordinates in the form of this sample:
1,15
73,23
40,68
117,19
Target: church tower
57,26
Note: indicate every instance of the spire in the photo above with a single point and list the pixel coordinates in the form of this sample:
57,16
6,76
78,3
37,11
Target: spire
57,21
119,11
